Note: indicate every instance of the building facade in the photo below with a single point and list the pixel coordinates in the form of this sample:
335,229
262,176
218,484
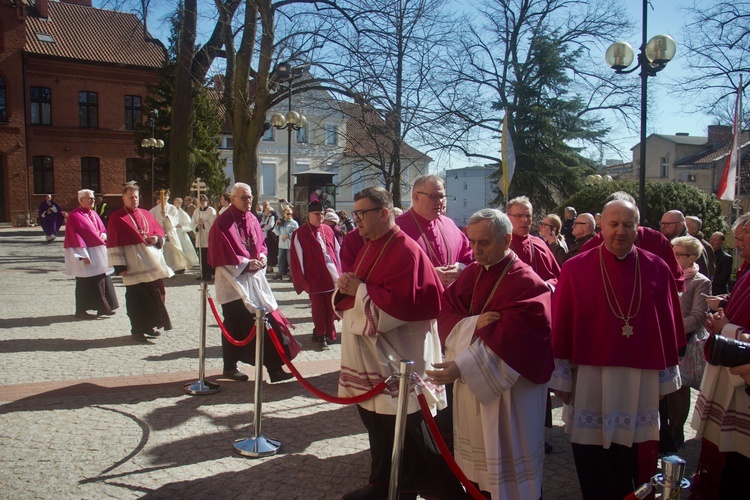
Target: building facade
469,190
73,82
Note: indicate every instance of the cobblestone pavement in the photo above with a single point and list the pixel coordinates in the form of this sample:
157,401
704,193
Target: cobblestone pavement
85,412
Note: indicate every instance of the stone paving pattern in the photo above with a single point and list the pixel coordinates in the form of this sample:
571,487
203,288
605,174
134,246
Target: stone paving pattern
85,412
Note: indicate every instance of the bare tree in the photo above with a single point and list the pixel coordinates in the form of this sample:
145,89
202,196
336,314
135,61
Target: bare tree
533,58
386,58
717,43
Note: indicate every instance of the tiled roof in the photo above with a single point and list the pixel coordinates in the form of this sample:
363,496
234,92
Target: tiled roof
692,140
710,155
360,140
94,35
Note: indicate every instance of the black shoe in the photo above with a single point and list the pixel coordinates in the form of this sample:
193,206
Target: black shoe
315,338
547,448
279,375
369,492
323,344
139,337
153,333
236,375
85,315
105,313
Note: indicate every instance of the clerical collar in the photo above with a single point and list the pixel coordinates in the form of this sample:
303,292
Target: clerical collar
507,254
624,257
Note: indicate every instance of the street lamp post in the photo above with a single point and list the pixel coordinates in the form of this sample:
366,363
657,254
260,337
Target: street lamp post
153,144
652,58
292,121
597,179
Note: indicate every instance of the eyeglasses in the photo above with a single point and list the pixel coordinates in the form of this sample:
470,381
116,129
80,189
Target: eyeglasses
434,197
544,224
359,214
580,223
245,197
518,216
662,223
682,254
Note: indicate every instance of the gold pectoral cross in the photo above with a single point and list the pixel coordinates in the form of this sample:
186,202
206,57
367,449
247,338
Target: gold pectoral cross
627,330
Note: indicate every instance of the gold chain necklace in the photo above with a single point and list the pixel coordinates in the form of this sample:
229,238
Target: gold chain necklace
367,249
142,231
427,242
512,261
627,330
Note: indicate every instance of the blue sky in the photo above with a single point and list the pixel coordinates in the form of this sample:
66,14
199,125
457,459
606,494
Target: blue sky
668,115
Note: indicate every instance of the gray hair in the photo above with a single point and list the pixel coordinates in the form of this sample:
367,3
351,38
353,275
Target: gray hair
741,221
693,245
519,200
620,195
242,186
87,193
499,222
695,220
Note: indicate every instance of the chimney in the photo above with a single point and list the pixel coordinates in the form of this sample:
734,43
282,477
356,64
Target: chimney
84,3
42,8
719,134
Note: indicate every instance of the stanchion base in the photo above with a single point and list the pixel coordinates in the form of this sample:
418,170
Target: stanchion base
257,447
201,388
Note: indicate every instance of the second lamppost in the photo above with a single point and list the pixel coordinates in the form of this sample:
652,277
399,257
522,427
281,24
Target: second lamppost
292,121
652,58
153,144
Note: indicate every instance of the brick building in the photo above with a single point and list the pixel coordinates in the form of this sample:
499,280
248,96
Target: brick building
73,81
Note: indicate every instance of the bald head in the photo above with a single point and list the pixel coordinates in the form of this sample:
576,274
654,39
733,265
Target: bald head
693,224
584,225
672,224
620,220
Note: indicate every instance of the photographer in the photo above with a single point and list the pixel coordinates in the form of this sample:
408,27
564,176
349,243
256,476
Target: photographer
721,414
284,229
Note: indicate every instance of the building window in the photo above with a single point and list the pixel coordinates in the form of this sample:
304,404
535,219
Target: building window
269,135
301,166
41,105
302,136
332,131
130,169
88,110
90,174
3,102
44,181
133,116
267,179
664,167
229,143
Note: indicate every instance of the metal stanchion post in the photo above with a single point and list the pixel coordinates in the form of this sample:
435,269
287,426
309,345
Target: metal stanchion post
202,387
404,386
258,446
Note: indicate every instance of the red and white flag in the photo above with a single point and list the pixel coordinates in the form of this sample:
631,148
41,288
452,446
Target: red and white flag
727,186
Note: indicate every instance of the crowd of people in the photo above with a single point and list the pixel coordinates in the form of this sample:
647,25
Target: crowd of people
609,315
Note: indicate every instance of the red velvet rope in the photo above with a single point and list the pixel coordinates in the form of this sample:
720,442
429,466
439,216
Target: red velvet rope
470,488
317,392
227,335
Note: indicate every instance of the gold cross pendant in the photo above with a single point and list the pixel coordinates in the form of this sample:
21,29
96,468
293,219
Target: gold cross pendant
627,330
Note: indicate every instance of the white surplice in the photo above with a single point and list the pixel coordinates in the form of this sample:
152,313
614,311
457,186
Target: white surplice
498,419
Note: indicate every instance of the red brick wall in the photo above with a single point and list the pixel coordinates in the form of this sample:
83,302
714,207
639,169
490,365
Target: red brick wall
12,139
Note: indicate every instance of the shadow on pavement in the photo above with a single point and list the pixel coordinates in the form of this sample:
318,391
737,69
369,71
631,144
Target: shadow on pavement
213,352
36,321
63,345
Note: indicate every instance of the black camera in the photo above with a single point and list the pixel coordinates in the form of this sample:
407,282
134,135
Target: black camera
723,351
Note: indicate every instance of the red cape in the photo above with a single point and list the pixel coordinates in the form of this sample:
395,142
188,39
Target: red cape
534,252
522,336
122,231
226,246
458,249
83,228
316,278
350,248
586,331
400,278
738,308
656,243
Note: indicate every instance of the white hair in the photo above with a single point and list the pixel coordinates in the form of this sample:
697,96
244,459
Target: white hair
242,186
85,193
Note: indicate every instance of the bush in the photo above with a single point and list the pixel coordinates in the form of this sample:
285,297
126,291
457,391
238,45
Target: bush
660,197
